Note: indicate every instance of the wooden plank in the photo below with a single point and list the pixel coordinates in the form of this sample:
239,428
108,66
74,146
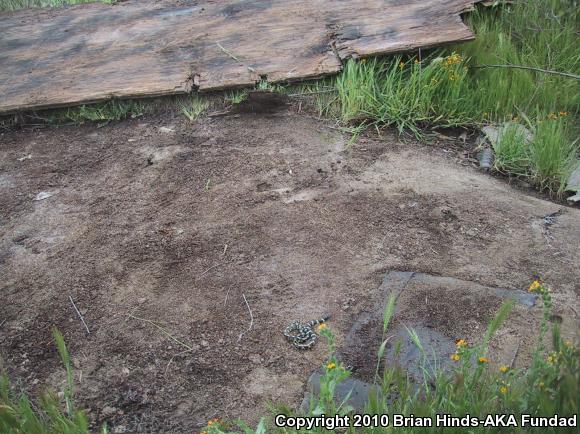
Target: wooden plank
87,53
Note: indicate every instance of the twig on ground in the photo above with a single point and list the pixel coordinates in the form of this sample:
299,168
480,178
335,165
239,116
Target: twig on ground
230,54
531,68
162,330
515,355
251,319
171,360
79,314
209,269
2,323
314,92
227,295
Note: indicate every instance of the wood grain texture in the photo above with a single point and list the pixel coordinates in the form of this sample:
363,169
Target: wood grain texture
87,53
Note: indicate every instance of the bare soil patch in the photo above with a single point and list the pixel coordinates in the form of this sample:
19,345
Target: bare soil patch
174,226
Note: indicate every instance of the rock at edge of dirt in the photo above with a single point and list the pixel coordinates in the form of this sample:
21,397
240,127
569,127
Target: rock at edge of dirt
573,183
493,133
359,391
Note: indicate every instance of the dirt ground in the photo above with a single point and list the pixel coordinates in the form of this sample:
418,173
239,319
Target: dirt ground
159,222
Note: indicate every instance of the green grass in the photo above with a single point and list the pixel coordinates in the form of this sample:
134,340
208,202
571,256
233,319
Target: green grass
474,84
20,415
13,5
548,387
406,92
512,150
112,110
193,107
235,96
553,154
543,152
541,34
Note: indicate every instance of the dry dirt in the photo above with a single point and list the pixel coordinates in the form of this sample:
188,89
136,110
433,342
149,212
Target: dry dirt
150,228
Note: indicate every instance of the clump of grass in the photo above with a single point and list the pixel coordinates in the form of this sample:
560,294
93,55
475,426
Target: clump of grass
543,153
266,85
193,107
112,110
13,5
407,93
235,96
18,414
553,155
321,94
512,150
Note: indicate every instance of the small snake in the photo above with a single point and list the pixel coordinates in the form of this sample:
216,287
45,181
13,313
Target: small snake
302,335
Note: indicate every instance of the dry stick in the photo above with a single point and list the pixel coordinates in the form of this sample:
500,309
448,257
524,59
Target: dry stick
530,68
227,295
314,92
515,354
171,360
162,330
209,269
79,314
251,319
229,53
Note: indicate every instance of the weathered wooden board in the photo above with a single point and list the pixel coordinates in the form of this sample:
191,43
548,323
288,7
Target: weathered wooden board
87,53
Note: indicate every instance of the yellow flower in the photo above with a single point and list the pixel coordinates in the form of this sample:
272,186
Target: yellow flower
363,61
563,113
483,360
331,365
534,286
417,61
461,343
203,432
552,358
568,344
541,385
552,116
213,422
455,357
322,326
503,389
453,59
401,65
504,368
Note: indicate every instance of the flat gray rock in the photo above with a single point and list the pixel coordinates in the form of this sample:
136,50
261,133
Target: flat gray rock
439,309
573,183
359,392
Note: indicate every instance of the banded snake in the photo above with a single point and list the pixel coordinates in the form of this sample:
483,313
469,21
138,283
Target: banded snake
301,335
